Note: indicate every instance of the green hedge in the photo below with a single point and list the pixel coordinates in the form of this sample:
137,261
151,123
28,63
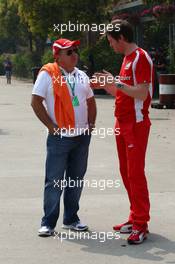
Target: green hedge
47,57
104,57
2,59
22,64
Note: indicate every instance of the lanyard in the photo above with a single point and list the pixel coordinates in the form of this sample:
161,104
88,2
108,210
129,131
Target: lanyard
71,84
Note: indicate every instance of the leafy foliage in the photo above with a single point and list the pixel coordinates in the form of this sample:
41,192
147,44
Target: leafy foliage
104,57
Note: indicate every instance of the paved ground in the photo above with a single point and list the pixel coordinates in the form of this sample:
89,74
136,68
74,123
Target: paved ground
22,145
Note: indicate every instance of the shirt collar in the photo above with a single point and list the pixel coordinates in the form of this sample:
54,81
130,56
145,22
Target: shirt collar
69,73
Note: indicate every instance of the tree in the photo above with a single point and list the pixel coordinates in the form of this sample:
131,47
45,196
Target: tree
41,15
13,33
38,16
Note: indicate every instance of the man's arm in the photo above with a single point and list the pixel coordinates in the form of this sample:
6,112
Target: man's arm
139,91
92,112
41,113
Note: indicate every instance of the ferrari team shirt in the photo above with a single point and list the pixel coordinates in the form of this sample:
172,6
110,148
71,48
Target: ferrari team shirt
137,68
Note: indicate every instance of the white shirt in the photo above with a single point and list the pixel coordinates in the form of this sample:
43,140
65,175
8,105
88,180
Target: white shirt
44,88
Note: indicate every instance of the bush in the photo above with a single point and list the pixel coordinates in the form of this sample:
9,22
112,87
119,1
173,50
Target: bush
2,58
22,64
103,56
47,57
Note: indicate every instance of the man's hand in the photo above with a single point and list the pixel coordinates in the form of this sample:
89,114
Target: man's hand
54,130
91,127
92,112
41,113
102,80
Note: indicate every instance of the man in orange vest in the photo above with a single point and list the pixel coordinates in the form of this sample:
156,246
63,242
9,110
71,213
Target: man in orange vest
64,102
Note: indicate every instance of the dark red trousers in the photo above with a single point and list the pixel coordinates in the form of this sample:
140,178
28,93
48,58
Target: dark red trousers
131,146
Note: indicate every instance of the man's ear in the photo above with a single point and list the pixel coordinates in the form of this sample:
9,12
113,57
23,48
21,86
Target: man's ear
122,38
58,56
58,59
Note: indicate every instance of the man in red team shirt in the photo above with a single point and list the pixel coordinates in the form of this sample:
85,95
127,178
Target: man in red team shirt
133,92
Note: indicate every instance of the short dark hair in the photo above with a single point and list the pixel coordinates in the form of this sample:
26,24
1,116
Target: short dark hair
121,27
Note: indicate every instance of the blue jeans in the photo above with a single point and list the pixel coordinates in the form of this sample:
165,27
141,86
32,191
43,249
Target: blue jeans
66,160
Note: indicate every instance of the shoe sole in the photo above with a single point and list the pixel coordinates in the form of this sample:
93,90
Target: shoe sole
131,242
122,232
46,234
74,228
129,232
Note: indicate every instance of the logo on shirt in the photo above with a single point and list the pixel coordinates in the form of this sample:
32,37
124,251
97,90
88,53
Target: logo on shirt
128,65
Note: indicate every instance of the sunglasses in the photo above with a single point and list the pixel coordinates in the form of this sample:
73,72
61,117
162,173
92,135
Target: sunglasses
70,52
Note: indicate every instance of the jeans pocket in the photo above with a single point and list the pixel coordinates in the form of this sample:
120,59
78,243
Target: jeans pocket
52,139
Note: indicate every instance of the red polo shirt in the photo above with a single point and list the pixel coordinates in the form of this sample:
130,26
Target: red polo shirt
137,68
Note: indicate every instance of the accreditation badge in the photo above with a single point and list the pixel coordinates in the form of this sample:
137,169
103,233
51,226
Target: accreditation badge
75,101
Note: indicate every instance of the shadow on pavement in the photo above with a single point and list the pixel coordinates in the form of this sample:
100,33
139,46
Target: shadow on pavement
155,248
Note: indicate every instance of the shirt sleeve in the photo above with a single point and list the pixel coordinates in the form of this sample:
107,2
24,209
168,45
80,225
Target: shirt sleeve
42,84
143,70
89,92
88,88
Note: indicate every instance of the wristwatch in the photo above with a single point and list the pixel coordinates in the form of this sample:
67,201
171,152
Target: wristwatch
119,85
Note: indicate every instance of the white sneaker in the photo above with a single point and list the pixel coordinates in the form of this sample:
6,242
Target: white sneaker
125,228
45,231
77,226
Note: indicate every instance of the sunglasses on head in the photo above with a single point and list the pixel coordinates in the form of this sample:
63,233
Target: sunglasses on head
70,52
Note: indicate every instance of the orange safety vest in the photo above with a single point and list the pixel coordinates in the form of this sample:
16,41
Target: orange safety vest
64,112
